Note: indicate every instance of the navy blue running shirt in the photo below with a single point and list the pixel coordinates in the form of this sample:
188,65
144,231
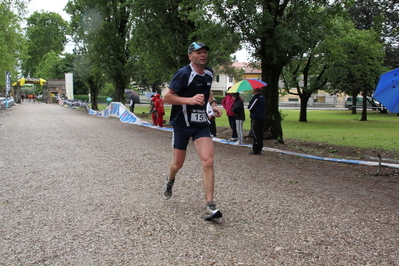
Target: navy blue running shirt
187,83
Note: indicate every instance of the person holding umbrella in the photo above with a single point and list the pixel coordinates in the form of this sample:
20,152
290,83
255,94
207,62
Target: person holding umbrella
131,105
256,108
238,109
189,92
133,98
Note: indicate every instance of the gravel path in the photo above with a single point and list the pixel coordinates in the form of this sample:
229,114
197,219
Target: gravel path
78,189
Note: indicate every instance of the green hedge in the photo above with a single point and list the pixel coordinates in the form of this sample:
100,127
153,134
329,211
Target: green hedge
101,99
246,97
218,99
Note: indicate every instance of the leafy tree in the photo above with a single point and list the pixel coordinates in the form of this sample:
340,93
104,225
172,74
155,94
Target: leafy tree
307,75
144,41
45,32
391,56
90,76
355,63
104,29
11,38
54,66
69,63
366,14
276,31
165,28
160,39
47,68
306,72
383,17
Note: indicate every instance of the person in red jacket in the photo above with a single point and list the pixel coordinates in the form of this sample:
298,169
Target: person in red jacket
158,106
153,111
227,103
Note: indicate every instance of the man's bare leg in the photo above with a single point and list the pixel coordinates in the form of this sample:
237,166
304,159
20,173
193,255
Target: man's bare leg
205,150
177,163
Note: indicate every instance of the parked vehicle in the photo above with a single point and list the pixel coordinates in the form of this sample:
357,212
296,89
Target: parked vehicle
371,103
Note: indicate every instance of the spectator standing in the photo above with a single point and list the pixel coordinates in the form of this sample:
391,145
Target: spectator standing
257,110
58,99
153,112
227,103
159,109
238,109
109,99
131,105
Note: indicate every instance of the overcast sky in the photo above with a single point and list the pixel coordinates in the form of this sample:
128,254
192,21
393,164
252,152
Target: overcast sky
49,5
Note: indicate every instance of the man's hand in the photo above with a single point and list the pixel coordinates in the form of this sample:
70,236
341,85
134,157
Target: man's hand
217,111
198,99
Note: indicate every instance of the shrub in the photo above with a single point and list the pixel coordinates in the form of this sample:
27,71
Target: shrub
101,99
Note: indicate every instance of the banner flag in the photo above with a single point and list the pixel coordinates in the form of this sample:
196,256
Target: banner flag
8,83
69,85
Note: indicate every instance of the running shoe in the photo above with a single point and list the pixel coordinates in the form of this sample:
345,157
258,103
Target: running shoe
167,193
212,212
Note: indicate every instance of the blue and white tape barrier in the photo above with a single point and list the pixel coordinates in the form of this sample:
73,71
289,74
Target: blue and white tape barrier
116,109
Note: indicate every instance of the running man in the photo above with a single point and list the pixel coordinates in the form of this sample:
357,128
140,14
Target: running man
188,92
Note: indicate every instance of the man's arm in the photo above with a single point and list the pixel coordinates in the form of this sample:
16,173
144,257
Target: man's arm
171,97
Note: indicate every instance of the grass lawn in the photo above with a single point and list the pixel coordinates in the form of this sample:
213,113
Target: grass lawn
333,127
343,128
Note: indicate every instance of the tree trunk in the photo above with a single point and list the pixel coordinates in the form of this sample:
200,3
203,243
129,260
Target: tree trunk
120,86
94,83
354,101
119,94
270,75
94,91
304,106
364,110
94,99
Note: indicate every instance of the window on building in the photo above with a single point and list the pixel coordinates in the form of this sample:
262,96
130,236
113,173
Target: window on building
217,78
217,93
231,79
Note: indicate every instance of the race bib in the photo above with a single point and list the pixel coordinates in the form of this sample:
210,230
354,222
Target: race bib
198,116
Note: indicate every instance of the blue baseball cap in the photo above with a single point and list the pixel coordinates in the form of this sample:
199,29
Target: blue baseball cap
196,46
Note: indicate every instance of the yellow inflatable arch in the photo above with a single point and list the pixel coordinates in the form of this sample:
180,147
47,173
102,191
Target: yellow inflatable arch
23,81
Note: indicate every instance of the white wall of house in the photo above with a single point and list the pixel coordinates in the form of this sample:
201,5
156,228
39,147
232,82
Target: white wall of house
220,83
